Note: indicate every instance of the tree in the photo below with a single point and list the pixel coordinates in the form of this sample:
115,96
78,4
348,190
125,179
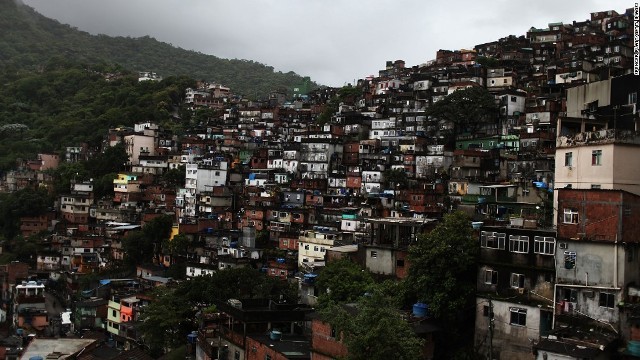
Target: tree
111,160
396,178
177,246
25,202
373,328
137,248
466,109
443,273
157,231
166,320
343,281
174,178
443,266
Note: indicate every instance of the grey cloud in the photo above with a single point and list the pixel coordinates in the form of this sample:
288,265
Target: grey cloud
333,41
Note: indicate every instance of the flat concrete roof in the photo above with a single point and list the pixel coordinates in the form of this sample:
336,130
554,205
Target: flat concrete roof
66,347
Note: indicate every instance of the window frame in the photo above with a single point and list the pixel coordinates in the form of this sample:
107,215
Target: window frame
519,244
490,277
492,240
542,245
518,316
596,157
517,281
609,300
568,159
570,216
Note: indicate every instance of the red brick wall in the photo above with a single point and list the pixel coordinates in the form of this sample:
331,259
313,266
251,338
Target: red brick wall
322,344
401,271
601,213
261,351
631,218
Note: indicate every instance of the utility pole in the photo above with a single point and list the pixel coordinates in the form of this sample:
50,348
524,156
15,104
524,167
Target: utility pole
491,322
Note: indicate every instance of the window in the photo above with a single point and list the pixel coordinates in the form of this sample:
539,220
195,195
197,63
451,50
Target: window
570,259
596,157
633,98
570,216
492,240
400,263
596,186
374,254
607,300
517,281
544,245
519,244
490,277
568,159
518,316
486,311
306,246
236,355
514,99
267,357
113,313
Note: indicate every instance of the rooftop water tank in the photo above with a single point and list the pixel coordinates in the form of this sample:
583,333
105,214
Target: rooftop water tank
193,337
275,335
420,309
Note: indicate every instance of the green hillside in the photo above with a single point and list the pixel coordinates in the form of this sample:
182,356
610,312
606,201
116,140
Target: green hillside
29,40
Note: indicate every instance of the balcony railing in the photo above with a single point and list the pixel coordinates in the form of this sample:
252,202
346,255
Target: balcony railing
599,137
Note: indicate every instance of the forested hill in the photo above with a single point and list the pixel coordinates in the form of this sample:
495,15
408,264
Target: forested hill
29,41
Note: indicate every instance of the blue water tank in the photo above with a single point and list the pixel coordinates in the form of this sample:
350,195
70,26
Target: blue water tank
420,309
633,346
192,338
275,335
310,278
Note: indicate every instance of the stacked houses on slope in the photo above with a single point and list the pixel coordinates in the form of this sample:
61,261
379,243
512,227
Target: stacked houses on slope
551,182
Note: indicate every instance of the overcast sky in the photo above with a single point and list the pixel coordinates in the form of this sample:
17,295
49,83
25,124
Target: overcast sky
333,41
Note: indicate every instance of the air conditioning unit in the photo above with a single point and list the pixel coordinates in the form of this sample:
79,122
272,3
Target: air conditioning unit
589,293
562,245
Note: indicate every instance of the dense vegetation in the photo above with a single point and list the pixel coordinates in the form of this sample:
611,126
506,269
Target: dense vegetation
177,309
442,275
28,40
68,104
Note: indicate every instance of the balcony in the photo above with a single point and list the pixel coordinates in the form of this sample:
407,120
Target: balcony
599,137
